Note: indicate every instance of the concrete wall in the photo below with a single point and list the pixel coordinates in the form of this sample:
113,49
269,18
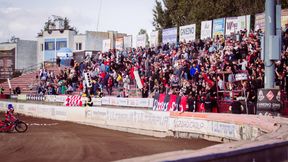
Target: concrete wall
40,52
80,38
95,40
257,138
26,54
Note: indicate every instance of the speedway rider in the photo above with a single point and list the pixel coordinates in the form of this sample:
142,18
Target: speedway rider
9,116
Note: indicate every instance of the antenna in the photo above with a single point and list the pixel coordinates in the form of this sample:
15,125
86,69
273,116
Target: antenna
99,13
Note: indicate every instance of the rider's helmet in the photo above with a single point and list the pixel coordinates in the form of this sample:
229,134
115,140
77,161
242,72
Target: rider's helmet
10,108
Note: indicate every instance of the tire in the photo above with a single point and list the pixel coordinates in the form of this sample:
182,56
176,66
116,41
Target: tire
21,127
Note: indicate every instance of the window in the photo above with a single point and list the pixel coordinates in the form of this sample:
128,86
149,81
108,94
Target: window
61,44
42,47
49,46
78,46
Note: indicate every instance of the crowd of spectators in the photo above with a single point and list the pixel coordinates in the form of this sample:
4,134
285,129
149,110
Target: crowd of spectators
195,69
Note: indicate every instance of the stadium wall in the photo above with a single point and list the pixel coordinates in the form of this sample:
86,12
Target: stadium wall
249,132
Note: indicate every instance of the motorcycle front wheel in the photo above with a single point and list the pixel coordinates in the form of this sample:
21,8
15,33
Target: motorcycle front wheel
21,127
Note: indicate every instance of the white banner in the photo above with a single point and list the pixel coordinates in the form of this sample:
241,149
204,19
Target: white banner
242,23
138,80
154,38
106,45
128,42
119,43
206,29
187,33
169,35
232,25
141,40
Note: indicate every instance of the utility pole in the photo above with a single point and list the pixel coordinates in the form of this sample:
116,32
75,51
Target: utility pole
272,40
269,31
268,99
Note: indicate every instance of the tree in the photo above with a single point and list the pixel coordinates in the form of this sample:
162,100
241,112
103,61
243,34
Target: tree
143,31
169,13
66,24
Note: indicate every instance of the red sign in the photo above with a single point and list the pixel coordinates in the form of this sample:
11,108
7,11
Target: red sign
270,95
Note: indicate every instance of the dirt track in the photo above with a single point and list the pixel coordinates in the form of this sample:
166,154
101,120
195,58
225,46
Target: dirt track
67,142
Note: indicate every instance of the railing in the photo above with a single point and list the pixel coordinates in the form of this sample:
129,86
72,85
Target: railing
38,66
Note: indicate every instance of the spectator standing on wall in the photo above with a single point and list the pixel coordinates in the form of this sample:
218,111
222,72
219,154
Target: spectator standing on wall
58,60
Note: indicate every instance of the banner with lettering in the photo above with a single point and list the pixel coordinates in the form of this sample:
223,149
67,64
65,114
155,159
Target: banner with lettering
260,21
206,29
119,43
106,46
128,41
154,38
169,35
187,33
242,23
231,25
164,102
141,40
218,27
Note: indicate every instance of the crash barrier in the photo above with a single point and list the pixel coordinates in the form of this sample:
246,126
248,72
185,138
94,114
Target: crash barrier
253,133
75,100
35,97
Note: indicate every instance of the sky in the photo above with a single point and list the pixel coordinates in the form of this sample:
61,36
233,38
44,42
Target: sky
25,18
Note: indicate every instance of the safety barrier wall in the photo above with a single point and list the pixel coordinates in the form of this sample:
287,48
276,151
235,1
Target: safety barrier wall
146,122
106,101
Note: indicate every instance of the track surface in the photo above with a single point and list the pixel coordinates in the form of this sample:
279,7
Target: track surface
48,140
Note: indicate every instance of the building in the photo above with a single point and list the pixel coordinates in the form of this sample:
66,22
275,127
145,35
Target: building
50,43
16,55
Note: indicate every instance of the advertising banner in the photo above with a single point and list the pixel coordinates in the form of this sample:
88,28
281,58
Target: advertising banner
206,29
284,18
169,35
119,43
163,102
154,39
268,100
260,21
187,33
106,45
242,22
141,40
218,27
128,41
232,25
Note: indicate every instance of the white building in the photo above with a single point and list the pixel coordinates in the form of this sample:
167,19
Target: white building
50,43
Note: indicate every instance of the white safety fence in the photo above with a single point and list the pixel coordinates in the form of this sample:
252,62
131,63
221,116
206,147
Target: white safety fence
146,122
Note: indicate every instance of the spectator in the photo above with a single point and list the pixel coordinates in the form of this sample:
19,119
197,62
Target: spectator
58,61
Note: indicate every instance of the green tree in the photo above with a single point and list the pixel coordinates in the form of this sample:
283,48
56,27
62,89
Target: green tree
169,13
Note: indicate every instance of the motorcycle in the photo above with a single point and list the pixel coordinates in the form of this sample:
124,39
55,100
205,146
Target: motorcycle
17,125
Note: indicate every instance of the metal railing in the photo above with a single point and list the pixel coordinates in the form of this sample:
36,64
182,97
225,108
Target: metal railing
38,66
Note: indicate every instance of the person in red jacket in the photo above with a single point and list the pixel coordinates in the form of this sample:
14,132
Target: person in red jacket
9,116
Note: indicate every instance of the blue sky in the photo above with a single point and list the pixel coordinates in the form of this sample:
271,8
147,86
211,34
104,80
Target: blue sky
25,18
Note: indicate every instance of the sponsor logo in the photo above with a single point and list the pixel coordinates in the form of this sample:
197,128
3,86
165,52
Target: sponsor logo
261,96
187,31
278,97
270,95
